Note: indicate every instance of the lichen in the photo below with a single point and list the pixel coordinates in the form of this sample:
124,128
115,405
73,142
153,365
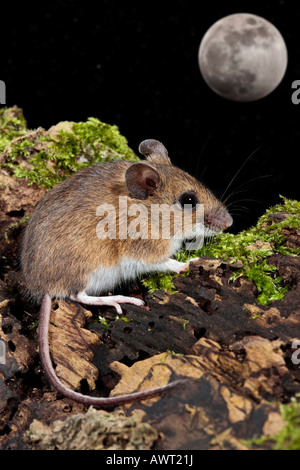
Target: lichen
238,248
94,430
48,157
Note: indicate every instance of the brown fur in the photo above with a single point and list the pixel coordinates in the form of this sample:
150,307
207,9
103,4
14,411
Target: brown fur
61,249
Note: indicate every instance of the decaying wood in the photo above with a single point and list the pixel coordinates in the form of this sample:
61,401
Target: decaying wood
94,430
233,354
72,347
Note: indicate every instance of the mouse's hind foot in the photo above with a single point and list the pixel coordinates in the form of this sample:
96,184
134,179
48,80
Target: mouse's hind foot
109,300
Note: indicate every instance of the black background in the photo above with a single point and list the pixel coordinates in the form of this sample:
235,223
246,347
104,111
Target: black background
135,64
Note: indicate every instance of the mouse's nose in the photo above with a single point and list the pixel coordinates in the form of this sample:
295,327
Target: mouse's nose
218,219
228,220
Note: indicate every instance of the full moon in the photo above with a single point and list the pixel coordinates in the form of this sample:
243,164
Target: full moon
242,57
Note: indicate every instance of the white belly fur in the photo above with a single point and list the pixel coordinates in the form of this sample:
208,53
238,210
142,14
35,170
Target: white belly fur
105,279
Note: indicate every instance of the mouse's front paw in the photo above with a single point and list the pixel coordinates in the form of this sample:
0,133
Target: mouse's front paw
185,266
178,266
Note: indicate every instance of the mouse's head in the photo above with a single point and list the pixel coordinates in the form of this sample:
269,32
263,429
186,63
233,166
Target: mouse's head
194,209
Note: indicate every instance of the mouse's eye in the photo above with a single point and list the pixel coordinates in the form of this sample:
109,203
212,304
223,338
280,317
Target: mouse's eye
189,199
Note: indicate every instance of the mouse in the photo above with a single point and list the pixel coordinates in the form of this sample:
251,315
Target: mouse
67,254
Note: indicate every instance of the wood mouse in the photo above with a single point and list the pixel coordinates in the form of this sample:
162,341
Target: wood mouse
64,257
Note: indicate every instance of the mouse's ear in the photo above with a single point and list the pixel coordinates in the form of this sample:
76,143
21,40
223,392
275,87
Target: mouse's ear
154,151
141,180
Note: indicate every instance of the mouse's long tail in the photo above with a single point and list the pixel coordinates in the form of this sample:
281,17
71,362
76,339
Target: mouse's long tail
44,322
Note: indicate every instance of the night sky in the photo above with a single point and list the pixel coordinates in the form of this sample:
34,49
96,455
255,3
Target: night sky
135,64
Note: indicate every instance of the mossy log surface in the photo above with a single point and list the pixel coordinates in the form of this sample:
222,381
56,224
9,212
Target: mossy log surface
223,328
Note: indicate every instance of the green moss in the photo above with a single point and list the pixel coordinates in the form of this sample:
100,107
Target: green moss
20,148
185,322
236,248
269,287
124,319
288,438
48,157
12,125
160,281
172,353
13,226
104,322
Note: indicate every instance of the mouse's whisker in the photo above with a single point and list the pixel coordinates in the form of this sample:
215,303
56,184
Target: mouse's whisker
235,191
243,200
200,156
238,209
239,170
